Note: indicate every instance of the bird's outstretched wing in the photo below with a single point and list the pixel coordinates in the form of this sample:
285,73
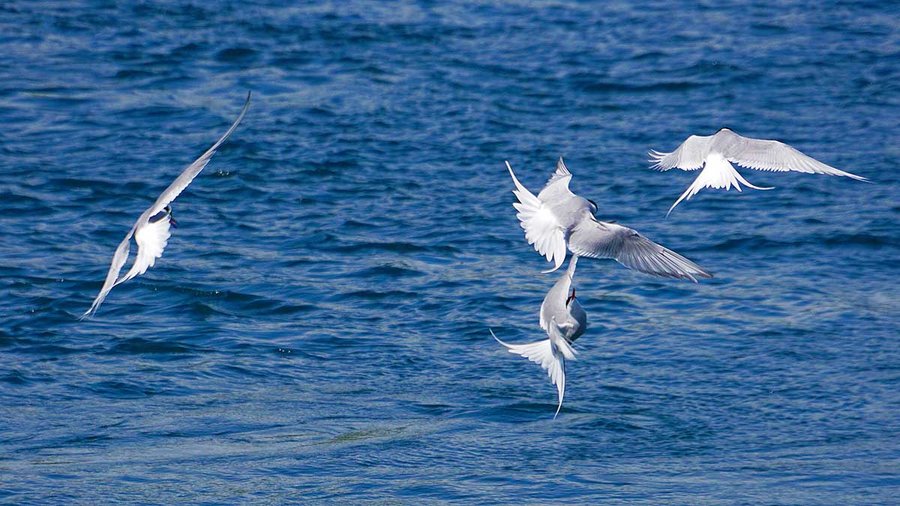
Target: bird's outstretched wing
118,261
598,239
761,154
191,171
688,156
557,187
542,229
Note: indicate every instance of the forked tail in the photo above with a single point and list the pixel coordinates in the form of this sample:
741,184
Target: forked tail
717,173
549,357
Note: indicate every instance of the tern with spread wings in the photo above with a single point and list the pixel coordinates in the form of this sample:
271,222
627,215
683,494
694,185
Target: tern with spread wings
564,321
716,153
556,220
151,231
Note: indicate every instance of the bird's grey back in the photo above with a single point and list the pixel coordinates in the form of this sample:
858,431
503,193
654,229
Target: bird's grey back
727,143
570,211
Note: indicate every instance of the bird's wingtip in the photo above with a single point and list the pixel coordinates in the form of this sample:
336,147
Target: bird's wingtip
509,169
548,271
88,314
655,159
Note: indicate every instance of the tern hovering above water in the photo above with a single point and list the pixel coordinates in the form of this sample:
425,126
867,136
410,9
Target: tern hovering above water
564,321
557,219
151,230
715,154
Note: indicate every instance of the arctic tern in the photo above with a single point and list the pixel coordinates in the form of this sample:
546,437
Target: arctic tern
557,219
151,231
564,321
716,153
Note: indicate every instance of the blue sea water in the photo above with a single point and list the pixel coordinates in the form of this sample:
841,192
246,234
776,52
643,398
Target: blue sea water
317,330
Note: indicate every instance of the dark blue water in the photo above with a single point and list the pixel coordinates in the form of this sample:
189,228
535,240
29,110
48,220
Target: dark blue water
317,330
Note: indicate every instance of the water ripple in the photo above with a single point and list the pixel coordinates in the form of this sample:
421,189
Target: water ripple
317,330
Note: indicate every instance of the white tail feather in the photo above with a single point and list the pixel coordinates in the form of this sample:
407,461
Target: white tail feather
549,356
717,173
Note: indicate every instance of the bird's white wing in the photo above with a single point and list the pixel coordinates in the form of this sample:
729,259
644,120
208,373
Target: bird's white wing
119,258
770,155
689,156
151,239
555,300
545,355
557,187
542,229
597,239
189,173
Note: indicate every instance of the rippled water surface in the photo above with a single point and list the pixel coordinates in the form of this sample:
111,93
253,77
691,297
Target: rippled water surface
317,330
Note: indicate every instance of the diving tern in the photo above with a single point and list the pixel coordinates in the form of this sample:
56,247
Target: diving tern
564,321
716,153
557,219
151,231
